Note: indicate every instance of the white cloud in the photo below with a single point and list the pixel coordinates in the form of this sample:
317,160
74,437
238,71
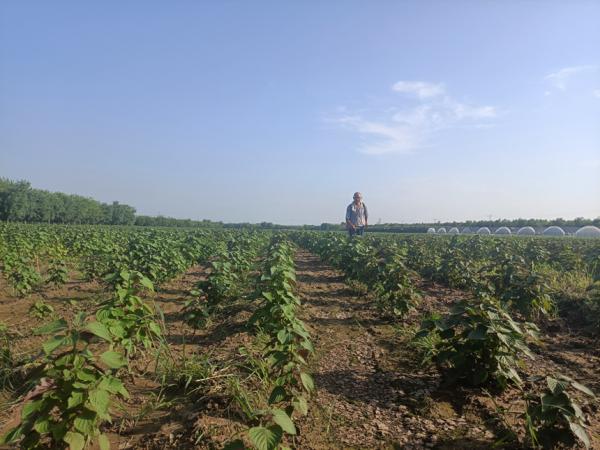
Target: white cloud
421,89
596,93
462,111
560,78
404,130
389,138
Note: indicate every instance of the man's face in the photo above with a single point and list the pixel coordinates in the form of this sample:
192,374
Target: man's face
357,199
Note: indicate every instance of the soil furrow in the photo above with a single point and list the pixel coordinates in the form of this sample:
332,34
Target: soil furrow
364,399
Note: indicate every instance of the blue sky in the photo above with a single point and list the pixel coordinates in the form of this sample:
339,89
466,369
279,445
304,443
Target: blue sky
279,111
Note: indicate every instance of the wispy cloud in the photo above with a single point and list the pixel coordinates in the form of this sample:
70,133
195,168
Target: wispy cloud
596,93
385,137
421,89
404,130
560,78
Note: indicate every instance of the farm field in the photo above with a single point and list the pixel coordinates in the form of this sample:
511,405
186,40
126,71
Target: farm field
155,338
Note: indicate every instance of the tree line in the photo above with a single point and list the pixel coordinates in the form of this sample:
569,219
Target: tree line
19,202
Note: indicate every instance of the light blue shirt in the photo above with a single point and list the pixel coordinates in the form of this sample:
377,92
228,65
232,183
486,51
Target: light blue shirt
357,215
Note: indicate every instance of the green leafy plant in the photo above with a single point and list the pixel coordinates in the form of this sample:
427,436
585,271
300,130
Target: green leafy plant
554,416
74,389
41,309
132,323
425,344
396,292
196,311
220,285
286,349
456,269
479,342
58,273
524,289
21,274
228,279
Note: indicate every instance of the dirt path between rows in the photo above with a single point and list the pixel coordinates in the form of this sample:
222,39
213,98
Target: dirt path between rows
371,392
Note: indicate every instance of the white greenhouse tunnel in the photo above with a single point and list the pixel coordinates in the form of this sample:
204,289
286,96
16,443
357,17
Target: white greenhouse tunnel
588,231
526,231
554,231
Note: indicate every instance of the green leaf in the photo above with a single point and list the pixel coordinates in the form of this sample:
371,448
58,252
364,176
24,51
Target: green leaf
114,386
42,425
300,404
76,441
577,409
100,330
103,442
556,386
52,327
583,388
53,343
513,375
12,435
117,330
79,319
99,400
580,432
265,438
113,359
551,401
283,420
147,283
283,336
307,381
86,375
307,345
278,394
31,407
238,444
76,398
155,328
85,423
478,333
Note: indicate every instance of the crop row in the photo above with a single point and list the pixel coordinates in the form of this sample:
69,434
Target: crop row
483,339
82,370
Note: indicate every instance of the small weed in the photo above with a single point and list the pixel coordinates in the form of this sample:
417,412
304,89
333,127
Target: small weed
41,310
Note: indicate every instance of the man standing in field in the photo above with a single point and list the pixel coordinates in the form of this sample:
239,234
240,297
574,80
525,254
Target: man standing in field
356,216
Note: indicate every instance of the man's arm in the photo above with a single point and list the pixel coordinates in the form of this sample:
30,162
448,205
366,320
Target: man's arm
348,213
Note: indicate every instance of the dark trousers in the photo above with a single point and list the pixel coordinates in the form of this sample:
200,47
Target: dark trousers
356,231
